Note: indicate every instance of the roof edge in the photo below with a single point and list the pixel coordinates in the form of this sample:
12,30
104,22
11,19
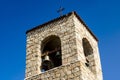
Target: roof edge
46,23
61,17
85,25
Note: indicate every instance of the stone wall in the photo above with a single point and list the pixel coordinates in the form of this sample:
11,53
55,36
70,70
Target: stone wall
72,71
65,30
82,32
70,31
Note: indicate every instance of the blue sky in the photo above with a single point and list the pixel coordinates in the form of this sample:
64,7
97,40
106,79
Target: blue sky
17,16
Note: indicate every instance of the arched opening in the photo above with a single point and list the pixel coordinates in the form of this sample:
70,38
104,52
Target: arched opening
51,53
88,52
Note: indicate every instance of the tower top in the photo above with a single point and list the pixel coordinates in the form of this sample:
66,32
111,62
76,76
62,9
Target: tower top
62,45
61,17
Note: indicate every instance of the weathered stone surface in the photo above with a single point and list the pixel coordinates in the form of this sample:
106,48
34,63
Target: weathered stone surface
69,72
71,32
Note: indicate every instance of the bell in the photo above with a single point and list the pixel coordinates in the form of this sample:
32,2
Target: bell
58,53
47,58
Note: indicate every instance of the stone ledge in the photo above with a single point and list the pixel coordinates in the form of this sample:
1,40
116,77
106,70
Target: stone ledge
65,72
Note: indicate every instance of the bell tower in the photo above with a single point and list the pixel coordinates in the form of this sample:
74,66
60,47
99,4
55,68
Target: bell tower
62,49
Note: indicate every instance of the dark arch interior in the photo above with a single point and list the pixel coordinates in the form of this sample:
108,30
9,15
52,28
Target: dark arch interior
88,52
51,45
87,47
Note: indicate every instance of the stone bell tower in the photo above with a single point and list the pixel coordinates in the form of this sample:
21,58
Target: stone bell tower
62,49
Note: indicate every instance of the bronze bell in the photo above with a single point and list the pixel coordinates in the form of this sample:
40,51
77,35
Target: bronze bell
47,64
